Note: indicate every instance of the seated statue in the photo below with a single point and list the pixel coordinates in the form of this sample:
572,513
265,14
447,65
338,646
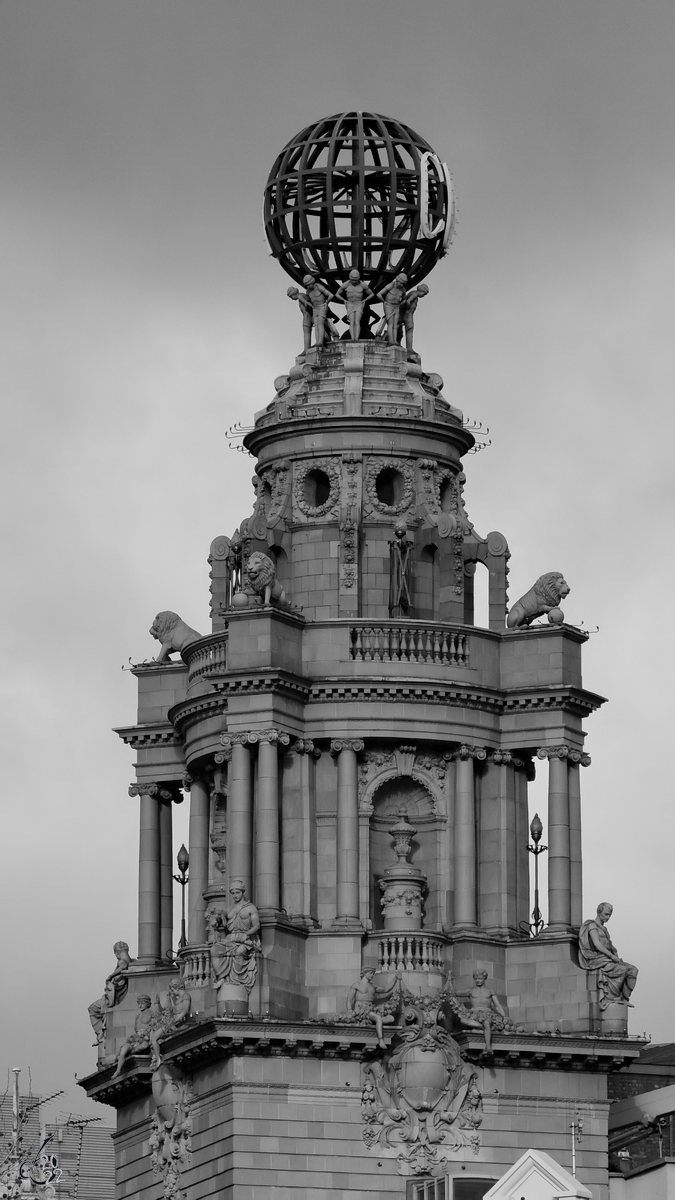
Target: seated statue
116,986
148,1017
153,1022
235,943
483,1011
365,1002
616,978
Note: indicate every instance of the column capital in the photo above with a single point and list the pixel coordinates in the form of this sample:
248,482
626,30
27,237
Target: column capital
552,752
223,756
340,744
571,754
305,746
150,789
465,752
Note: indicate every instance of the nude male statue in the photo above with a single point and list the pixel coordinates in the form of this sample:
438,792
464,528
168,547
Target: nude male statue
318,296
356,293
306,309
364,996
392,297
408,308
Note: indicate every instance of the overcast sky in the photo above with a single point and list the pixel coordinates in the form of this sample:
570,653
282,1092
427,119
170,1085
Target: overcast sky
141,316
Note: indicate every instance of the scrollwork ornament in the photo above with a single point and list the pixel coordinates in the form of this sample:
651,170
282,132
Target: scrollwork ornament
477,752
150,789
340,744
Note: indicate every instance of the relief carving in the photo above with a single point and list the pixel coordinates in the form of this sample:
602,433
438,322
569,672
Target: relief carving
328,467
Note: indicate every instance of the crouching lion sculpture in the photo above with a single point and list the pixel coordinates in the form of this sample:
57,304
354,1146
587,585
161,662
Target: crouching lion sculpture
262,576
543,598
173,634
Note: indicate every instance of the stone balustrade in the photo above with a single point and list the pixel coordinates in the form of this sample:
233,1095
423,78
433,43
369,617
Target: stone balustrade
195,965
410,952
409,641
208,656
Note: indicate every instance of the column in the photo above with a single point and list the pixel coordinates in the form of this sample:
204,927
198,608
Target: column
149,880
198,849
576,759
559,917
465,837
166,876
347,839
239,810
267,894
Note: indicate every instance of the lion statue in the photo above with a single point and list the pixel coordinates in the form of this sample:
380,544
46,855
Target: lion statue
262,576
173,634
544,597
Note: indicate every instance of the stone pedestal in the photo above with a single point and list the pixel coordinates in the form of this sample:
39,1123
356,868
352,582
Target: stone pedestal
232,1000
614,1019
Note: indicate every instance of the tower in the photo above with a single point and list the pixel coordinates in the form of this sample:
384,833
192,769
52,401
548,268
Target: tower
360,1005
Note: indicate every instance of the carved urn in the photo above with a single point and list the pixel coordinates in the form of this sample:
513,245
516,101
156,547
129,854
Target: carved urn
402,885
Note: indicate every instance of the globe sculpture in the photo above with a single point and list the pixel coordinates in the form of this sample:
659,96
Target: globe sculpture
358,191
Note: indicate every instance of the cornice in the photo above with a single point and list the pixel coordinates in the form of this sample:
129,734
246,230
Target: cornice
187,712
275,681
141,736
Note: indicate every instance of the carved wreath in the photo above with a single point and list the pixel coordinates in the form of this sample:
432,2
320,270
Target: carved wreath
330,468
405,468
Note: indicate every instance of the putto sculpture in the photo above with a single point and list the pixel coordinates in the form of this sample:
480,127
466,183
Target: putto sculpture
116,987
369,1003
543,597
483,1010
262,576
173,633
616,978
154,1021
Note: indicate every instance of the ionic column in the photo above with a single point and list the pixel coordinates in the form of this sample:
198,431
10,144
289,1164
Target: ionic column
166,876
465,837
267,820
347,897
575,760
149,874
198,849
239,809
559,915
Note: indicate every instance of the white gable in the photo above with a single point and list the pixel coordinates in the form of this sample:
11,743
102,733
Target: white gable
537,1176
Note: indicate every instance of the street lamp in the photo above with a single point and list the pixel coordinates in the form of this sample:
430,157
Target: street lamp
183,860
535,926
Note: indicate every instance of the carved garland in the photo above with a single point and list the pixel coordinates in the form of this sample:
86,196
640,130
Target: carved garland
330,468
405,467
277,477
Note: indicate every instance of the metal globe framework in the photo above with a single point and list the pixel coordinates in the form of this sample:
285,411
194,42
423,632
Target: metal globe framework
358,190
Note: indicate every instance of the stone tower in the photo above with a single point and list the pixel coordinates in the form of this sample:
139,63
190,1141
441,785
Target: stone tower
357,753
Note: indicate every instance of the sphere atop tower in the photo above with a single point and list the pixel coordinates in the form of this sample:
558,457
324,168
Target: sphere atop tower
358,191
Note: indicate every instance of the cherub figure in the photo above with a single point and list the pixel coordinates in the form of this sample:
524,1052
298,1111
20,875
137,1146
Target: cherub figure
392,297
146,1020
363,998
177,1011
356,293
485,1007
115,989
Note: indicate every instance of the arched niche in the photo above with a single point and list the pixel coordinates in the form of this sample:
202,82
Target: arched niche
390,797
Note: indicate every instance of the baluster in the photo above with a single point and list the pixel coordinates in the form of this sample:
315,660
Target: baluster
399,953
465,649
367,644
395,642
409,960
437,646
444,647
357,648
453,639
386,630
428,649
